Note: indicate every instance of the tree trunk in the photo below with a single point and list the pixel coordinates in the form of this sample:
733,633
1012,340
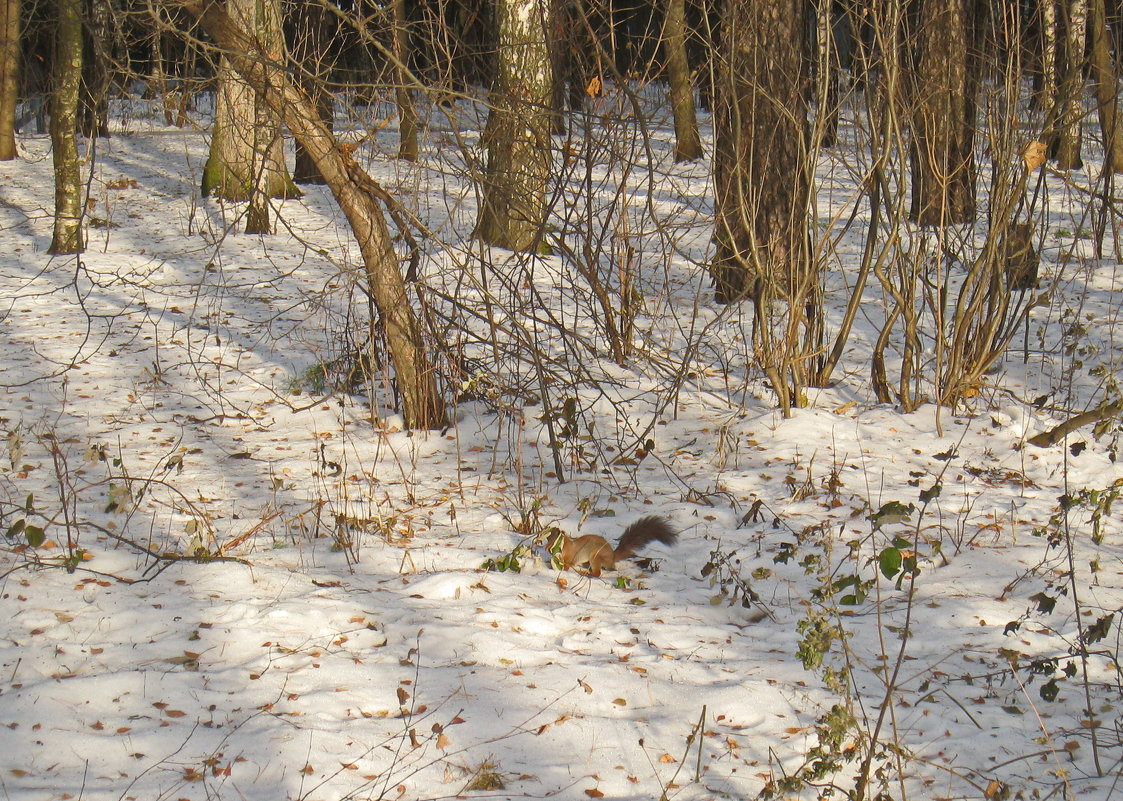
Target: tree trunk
247,153
64,128
762,190
9,76
94,118
761,183
513,209
943,116
1070,111
313,54
688,143
1045,77
826,73
1107,100
407,112
358,198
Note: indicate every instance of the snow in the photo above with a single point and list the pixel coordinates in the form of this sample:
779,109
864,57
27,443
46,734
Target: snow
337,637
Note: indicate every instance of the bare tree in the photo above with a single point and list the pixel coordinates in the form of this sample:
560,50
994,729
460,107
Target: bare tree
359,198
943,116
688,143
247,158
64,128
1107,93
94,98
1069,112
513,208
407,112
762,188
313,54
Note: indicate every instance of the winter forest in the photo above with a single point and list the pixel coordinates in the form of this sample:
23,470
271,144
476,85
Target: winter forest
523,399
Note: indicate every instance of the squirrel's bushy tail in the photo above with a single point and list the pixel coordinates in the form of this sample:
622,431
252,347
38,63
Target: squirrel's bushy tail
645,530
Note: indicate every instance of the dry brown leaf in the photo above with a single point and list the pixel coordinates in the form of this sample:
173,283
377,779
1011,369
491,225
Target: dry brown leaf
1033,154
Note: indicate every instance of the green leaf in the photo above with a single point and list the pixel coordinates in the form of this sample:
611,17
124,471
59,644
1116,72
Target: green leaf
892,512
931,493
35,536
1050,690
15,529
1045,603
890,561
1098,630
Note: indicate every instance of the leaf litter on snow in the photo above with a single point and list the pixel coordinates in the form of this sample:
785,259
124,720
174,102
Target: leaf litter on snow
325,629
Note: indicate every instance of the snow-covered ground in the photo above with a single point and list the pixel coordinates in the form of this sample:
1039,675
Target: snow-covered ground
162,397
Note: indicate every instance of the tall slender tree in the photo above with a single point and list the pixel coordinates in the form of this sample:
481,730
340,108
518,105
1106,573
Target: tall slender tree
1069,112
761,183
9,76
513,209
94,98
1107,93
688,142
67,236
403,93
247,157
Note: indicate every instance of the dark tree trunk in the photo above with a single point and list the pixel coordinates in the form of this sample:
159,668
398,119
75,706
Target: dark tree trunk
761,183
826,74
943,115
313,55
403,91
762,190
98,35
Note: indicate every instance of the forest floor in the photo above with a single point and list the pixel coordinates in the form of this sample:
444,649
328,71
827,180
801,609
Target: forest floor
167,396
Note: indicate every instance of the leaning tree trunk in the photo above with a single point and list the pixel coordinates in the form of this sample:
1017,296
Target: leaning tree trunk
762,189
943,117
1107,96
64,128
358,197
512,213
247,157
1070,111
9,76
688,143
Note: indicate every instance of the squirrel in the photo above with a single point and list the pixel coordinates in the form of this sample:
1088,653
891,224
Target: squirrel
595,551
